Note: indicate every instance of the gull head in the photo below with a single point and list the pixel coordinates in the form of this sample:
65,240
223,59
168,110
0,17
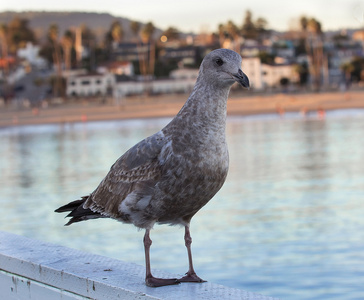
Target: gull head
222,67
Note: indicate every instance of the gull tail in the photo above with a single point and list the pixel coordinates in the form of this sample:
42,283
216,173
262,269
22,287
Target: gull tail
77,212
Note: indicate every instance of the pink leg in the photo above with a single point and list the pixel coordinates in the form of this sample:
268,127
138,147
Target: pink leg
150,280
191,274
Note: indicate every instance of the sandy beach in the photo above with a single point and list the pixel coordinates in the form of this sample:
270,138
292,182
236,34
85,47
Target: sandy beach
239,103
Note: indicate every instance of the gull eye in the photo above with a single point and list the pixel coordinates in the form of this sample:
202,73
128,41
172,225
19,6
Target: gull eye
219,61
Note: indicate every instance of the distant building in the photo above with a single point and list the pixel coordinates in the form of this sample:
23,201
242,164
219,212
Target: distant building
272,74
125,68
183,74
263,76
93,84
189,55
252,67
339,55
284,49
128,51
180,81
252,48
343,53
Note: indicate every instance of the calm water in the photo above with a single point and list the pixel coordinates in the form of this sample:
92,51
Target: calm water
289,222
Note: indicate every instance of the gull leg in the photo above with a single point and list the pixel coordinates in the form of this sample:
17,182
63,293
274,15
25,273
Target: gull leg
150,280
191,274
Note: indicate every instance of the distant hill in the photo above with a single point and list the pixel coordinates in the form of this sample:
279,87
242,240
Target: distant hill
40,21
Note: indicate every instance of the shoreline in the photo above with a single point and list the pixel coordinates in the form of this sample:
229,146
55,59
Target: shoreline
239,104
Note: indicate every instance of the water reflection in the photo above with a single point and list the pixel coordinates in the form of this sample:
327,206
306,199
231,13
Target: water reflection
287,223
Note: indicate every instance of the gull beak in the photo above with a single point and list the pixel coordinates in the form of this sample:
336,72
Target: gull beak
242,79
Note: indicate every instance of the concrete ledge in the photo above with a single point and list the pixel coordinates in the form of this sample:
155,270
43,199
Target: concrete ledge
31,269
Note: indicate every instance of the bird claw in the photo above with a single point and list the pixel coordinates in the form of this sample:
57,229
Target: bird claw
191,278
157,282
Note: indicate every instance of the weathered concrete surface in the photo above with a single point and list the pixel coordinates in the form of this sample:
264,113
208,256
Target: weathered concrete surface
31,269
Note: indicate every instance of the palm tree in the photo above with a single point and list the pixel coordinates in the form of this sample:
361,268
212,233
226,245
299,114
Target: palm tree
248,29
234,33
302,71
4,46
148,60
261,27
347,69
4,55
67,44
117,32
313,36
135,28
19,33
147,32
53,38
221,34
146,53
317,51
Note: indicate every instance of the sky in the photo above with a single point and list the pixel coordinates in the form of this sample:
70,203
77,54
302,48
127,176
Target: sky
205,15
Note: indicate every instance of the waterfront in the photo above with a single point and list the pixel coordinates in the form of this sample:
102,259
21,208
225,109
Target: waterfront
240,103
287,223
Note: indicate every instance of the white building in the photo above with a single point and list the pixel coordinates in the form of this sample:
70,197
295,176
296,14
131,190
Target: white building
272,74
89,84
263,76
117,67
181,81
252,67
184,73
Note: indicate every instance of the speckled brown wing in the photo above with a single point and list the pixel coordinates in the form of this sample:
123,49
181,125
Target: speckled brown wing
126,190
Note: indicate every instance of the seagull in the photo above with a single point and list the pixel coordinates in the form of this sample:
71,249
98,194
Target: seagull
169,176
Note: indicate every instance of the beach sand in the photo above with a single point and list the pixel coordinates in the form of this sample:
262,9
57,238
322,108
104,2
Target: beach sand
239,103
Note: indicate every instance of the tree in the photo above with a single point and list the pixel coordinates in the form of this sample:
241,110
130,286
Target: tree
253,29
266,58
4,46
353,70
316,52
67,45
261,27
234,33
284,82
135,28
88,44
147,32
18,34
248,28
302,71
347,68
231,34
147,57
88,36
358,72
261,24
313,37
303,23
53,33
171,33
221,32
115,34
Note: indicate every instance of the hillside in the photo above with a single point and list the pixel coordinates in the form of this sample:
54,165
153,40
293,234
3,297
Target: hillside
40,21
